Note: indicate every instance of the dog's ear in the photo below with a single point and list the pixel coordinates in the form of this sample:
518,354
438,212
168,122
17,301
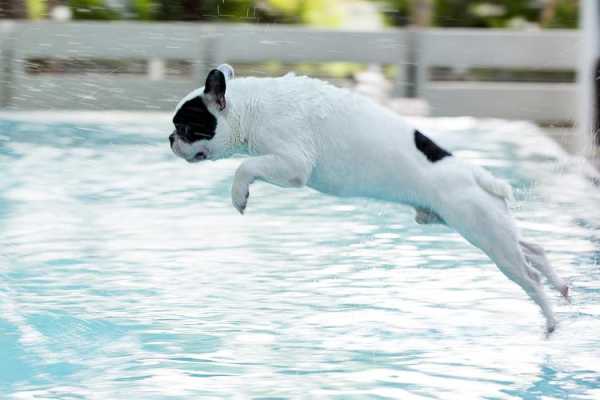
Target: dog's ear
214,88
227,70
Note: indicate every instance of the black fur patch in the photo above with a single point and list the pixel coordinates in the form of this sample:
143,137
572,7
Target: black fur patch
432,151
215,83
194,122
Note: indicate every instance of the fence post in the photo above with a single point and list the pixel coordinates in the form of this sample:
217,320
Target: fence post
404,81
589,73
419,62
209,52
6,62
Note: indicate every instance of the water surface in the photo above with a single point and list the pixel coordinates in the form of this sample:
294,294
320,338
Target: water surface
126,273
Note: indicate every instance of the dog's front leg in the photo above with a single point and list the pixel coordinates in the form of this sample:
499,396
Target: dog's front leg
275,169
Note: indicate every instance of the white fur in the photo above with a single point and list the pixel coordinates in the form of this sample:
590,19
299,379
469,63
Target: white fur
492,185
304,132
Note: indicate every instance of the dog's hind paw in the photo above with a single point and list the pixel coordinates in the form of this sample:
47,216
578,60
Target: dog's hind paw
550,328
564,291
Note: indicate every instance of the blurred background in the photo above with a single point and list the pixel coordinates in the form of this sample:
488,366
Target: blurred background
331,13
126,274
510,59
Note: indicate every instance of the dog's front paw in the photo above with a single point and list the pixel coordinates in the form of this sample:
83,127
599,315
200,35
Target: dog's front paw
239,197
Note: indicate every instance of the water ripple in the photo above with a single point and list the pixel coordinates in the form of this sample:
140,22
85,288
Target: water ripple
125,273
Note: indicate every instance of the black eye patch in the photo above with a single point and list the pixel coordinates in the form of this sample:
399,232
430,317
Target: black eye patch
194,122
190,133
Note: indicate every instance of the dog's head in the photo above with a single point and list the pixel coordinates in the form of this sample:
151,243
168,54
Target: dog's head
201,131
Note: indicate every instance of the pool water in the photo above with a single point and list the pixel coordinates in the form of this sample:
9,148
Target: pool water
125,273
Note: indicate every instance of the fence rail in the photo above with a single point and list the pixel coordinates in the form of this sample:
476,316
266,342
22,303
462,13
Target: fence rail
201,46
470,48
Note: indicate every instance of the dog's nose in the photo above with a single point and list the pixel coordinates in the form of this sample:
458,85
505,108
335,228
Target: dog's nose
171,138
200,156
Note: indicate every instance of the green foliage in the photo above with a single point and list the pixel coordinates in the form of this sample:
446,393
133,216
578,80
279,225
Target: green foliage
313,12
396,12
142,9
92,9
36,9
484,13
466,13
449,13
567,15
446,13
321,12
211,10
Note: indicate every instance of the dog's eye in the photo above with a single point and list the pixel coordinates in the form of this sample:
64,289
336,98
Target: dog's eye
181,129
197,135
184,131
188,133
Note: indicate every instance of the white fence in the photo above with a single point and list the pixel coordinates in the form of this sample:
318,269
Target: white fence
202,46
466,48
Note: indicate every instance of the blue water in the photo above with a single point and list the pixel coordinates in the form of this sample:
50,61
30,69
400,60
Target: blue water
125,273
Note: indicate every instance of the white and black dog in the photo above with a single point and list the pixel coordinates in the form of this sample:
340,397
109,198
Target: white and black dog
300,131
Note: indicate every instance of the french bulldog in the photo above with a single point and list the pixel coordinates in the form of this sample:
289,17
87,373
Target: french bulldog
299,131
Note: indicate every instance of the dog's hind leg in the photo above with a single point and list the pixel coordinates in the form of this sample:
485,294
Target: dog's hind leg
485,221
516,269
537,258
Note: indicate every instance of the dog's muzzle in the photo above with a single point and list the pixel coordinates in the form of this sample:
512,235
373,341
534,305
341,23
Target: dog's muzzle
198,157
179,152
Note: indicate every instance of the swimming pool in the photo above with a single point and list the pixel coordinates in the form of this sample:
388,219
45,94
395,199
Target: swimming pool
126,273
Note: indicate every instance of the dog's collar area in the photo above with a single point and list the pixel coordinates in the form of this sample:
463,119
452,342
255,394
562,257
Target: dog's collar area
238,141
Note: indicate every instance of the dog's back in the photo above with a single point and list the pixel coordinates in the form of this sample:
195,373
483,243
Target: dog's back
351,136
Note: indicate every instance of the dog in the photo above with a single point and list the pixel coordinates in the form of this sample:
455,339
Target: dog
300,131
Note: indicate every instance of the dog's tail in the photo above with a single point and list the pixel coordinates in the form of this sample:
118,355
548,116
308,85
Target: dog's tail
493,185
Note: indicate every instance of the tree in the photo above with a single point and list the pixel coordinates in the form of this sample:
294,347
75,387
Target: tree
484,13
92,9
548,12
422,12
13,9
